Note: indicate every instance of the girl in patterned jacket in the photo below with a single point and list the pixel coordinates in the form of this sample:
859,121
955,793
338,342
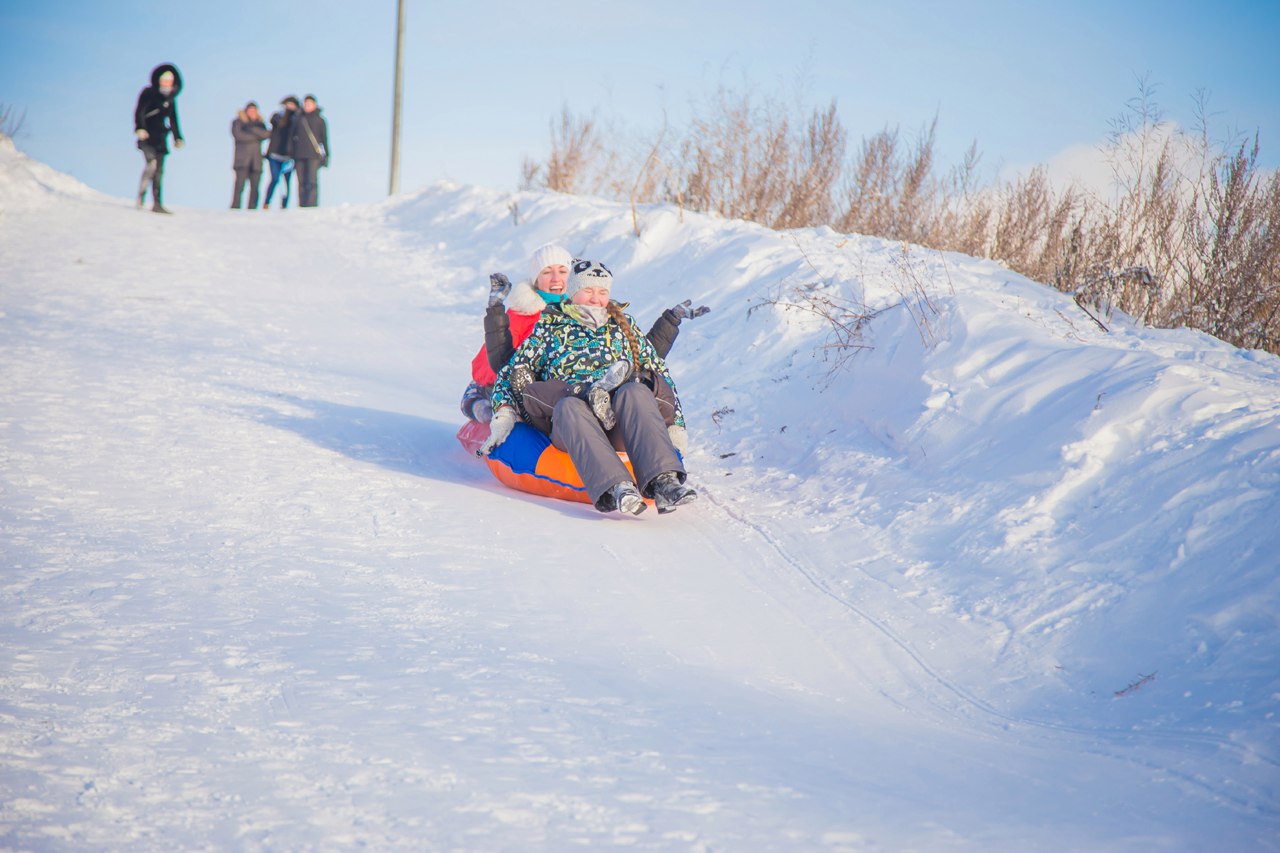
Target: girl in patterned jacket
507,325
596,387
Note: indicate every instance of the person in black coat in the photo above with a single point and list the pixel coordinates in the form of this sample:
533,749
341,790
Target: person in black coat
155,117
248,131
278,150
309,147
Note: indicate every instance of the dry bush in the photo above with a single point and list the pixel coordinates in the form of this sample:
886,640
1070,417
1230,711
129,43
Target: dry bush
574,150
892,192
1188,239
1232,279
1191,238
10,120
735,160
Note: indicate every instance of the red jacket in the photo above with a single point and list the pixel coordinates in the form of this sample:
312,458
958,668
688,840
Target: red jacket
524,307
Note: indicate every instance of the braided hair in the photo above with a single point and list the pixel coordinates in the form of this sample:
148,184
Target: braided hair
615,311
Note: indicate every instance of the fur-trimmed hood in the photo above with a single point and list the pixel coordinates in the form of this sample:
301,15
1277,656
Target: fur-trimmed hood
177,78
524,299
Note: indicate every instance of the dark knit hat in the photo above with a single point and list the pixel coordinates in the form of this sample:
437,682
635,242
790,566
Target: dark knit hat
291,99
309,98
253,104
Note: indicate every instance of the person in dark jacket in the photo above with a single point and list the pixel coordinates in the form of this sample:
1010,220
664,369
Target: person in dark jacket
278,150
309,146
248,130
155,117
588,342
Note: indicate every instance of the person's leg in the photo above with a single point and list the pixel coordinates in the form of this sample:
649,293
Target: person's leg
287,171
148,172
157,179
274,165
644,435
575,430
242,175
255,176
540,399
307,189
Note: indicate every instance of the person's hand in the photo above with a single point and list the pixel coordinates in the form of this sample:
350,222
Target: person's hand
681,310
504,420
679,438
499,287
179,142
142,135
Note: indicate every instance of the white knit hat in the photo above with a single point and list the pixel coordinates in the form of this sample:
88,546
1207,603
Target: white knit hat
546,256
588,274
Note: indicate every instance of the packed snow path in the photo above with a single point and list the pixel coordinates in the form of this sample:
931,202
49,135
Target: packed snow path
256,597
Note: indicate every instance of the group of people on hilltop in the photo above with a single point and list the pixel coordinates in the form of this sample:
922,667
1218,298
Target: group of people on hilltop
297,141
566,359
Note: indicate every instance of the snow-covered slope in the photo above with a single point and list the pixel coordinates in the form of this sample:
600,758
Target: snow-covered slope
997,579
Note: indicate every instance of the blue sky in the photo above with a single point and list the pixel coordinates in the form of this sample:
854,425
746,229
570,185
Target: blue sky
1026,80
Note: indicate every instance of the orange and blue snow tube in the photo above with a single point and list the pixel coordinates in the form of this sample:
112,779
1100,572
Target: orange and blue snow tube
528,461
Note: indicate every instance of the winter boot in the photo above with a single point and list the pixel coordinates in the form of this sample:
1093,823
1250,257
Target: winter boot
599,394
669,492
626,498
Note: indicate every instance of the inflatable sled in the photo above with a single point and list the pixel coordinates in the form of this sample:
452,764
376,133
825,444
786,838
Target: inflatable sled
529,462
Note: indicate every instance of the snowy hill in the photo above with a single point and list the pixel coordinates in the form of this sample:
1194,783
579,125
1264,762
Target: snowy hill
984,576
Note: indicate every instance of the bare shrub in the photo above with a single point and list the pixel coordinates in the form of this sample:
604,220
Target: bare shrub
844,317
1233,275
916,287
574,149
1188,239
735,157
10,120
892,191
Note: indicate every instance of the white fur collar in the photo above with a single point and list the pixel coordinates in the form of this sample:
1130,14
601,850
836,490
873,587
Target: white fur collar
524,299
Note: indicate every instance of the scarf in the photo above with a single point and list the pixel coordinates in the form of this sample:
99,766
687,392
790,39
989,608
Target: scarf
591,316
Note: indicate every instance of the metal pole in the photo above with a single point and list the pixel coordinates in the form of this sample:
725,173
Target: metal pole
395,108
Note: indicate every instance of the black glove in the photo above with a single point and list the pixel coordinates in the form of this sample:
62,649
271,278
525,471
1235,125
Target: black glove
499,287
681,310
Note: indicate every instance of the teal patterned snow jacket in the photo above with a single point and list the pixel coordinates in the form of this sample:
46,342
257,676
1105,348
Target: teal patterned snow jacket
560,347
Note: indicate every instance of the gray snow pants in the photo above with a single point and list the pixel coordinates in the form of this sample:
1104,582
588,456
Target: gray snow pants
244,175
641,431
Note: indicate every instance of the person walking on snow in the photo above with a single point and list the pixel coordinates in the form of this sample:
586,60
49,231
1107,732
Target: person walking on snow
589,363
154,118
309,147
248,131
278,158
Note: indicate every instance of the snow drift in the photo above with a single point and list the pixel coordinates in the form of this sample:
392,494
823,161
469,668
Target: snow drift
967,572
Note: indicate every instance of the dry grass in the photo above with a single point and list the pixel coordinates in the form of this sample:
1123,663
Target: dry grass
1190,238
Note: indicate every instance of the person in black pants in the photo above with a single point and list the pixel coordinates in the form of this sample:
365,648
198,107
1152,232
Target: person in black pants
155,117
309,147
